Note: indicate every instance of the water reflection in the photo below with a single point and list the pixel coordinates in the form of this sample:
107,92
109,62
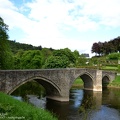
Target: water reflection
61,110
88,102
36,101
92,108
84,105
113,98
89,105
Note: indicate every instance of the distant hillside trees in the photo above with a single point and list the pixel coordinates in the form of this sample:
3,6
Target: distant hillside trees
48,58
16,46
31,59
105,48
6,60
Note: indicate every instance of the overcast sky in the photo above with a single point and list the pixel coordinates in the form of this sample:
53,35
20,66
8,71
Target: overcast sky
75,24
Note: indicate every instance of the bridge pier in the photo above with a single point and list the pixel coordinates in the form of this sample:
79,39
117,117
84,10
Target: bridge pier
97,85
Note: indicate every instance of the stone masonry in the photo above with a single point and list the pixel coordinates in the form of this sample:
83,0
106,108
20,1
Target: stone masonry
57,82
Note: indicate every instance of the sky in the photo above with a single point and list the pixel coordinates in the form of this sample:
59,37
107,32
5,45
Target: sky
59,24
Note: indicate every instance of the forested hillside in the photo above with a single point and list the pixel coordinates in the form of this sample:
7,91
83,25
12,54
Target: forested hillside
27,56
15,46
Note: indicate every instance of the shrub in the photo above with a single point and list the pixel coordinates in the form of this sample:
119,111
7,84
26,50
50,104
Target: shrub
114,56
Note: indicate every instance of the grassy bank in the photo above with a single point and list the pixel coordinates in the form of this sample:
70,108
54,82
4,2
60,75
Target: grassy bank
114,68
78,82
14,109
116,82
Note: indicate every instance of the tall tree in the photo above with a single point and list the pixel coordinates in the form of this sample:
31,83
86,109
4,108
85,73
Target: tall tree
60,59
56,62
31,59
5,54
106,47
67,53
96,48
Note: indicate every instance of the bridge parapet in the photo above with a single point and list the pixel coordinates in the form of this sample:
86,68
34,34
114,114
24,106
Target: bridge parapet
57,82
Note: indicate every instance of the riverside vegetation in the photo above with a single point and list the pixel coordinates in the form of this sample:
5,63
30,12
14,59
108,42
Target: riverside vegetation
11,108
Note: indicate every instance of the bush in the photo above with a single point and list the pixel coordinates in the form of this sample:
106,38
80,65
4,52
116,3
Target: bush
114,56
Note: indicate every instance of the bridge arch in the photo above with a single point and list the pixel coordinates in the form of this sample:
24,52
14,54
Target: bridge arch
87,80
57,82
51,88
105,80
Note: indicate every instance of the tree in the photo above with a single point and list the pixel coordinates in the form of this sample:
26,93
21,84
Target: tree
46,53
6,59
106,48
97,48
67,53
76,54
56,62
81,61
60,59
31,59
17,59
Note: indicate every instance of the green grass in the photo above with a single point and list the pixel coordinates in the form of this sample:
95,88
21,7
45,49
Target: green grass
78,82
109,68
116,82
11,108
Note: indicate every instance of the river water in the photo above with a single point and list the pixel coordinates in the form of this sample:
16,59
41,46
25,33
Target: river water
83,105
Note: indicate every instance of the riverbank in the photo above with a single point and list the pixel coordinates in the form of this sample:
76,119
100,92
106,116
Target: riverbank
78,83
115,83
11,108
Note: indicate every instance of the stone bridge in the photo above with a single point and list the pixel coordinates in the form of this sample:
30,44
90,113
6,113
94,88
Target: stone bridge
57,82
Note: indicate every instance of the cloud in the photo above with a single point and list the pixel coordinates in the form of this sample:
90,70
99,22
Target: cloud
108,11
6,4
44,21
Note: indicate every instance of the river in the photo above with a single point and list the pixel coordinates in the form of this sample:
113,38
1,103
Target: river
83,105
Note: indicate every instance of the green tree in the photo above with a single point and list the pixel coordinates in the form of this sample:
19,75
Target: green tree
67,53
31,59
56,62
77,56
6,59
46,53
81,61
61,59
17,59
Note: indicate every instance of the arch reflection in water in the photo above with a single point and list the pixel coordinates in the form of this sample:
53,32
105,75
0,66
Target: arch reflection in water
60,109
83,106
87,105
91,102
